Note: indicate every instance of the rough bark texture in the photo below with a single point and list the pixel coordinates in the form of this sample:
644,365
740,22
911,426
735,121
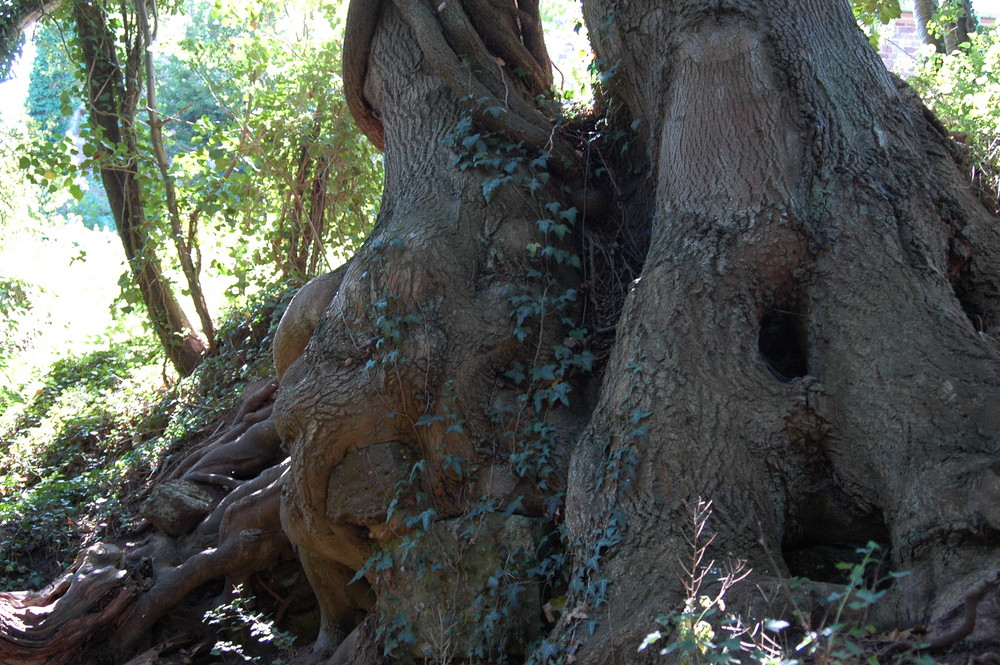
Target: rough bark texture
811,346
812,343
411,349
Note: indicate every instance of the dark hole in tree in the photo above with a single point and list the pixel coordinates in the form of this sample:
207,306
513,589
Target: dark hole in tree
782,343
827,530
969,306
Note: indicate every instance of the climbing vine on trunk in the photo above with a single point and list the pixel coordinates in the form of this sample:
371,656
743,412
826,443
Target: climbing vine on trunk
113,89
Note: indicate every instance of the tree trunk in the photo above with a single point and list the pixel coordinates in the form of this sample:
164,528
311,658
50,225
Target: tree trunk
810,349
812,343
406,364
112,95
923,14
946,37
303,217
184,254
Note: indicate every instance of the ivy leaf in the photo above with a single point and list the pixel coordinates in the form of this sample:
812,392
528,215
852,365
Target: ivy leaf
489,187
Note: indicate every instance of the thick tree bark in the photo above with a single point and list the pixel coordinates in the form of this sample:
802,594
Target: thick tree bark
409,354
805,347
112,101
811,346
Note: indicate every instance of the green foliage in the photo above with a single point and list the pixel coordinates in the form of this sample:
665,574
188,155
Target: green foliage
78,450
242,632
963,90
98,372
272,178
73,436
870,12
15,304
11,39
71,454
947,15
871,15
53,81
52,158
840,640
244,355
56,153
286,135
183,93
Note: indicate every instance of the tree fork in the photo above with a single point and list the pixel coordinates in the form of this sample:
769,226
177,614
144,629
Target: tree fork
517,119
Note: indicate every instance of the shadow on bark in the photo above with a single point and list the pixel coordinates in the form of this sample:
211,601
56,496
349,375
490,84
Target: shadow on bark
797,349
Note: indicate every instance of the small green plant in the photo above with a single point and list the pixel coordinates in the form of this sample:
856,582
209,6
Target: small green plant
702,630
841,638
239,628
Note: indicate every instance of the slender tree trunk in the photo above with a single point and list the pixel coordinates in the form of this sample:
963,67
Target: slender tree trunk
958,32
184,254
112,101
945,38
300,243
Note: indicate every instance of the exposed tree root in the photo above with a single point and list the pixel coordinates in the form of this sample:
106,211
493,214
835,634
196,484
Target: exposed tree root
945,638
171,651
53,625
965,627
121,595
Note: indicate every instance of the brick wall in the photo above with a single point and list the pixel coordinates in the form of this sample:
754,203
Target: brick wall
899,43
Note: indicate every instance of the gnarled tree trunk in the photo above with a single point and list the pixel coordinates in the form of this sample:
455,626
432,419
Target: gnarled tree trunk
813,342
403,377
811,346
